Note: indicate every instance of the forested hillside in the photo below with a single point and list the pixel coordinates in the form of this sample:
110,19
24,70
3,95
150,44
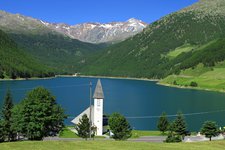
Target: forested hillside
147,54
14,63
63,54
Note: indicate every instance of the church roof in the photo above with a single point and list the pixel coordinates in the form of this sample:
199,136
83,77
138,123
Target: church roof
87,112
98,94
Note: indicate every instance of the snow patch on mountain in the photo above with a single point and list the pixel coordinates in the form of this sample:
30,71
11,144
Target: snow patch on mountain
100,33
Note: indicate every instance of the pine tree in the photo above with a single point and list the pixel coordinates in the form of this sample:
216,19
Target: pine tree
83,127
210,129
180,125
8,132
119,126
172,137
163,123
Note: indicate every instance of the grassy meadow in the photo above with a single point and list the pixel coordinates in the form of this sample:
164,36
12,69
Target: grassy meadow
207,78
110,145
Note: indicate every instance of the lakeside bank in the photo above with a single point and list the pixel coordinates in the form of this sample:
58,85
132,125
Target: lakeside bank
158,81
146,79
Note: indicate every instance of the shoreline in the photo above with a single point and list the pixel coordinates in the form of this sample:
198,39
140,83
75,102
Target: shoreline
109,77
27,79
122,78
192,88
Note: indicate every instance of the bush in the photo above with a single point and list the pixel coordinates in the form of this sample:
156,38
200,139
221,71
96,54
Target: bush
171,138
174,82
194,84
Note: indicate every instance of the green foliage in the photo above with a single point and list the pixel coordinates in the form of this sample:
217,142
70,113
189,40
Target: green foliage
210,129
173,138
38,115
163,123
14,63
119,127
83,127
179,125
62,53
1,131
8,132
194,84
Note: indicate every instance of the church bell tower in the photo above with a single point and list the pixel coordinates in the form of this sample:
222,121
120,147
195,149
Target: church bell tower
98,108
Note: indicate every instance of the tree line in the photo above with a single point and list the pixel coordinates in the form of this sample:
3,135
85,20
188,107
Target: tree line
35,117
177,129
15,63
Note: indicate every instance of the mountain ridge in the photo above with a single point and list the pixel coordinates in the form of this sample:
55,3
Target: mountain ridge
85,32
94,32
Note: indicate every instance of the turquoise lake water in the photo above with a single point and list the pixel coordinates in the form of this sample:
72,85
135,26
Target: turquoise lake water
140,101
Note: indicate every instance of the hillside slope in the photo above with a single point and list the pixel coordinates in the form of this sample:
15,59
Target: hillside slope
145,55
53,49
15,63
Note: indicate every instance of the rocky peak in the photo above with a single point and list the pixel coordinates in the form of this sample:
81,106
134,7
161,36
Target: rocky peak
100,33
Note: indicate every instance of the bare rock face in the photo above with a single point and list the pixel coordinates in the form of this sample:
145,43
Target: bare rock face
100,33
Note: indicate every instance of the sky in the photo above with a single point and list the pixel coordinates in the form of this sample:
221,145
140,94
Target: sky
103,11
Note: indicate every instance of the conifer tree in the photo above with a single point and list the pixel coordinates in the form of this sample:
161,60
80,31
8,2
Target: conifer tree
163,123
119,126
8,132
83,127
180,125
210,129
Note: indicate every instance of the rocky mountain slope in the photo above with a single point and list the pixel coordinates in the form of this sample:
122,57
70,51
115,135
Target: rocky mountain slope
100,33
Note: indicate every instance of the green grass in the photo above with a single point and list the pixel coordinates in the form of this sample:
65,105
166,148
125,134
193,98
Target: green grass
110,145
139,133
182,49
206,78
67,133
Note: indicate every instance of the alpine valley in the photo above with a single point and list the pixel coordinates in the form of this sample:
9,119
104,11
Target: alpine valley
185,48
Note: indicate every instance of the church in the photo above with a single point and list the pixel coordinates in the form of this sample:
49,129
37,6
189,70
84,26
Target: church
95,112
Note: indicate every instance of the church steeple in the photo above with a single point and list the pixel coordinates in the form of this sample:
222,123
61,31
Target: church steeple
98,94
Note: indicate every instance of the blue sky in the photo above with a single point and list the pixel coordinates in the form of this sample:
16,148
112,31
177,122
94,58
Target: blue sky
80,11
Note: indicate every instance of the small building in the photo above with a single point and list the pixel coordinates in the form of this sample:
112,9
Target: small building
96,110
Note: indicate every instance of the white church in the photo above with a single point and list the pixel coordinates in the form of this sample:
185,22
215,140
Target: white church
96,110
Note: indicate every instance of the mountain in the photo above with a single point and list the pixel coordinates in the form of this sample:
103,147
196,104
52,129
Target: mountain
161,48
15,63
61,51
53,49
86,32
100,33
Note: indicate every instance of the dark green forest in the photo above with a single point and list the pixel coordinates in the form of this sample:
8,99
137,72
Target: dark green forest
63,54
14,63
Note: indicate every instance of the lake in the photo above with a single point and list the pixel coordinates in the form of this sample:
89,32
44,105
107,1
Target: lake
142,102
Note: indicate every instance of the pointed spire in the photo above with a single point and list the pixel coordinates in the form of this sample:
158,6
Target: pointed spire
98,94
